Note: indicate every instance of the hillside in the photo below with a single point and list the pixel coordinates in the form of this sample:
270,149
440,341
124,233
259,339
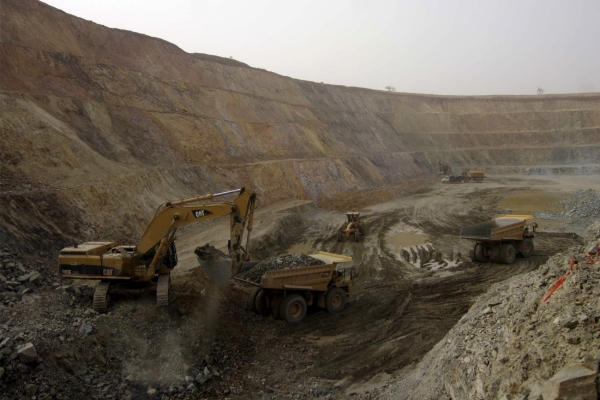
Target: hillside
98,122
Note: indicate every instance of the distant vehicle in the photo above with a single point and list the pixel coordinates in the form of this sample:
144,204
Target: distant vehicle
352,228
453,179
467,175
472,175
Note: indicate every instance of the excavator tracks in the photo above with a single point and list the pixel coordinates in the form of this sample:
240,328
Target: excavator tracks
163,289
101,297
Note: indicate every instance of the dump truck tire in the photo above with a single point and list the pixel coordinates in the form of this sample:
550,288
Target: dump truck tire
527,248
277,307
293,308
260,303
250,302
507,253
479,257
335,300
357,236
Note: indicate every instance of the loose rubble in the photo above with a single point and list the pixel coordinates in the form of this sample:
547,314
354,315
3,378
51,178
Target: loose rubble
581,207
282,261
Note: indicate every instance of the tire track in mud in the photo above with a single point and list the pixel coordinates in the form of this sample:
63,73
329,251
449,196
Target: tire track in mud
399,312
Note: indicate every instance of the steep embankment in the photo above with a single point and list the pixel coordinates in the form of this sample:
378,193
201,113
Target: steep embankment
99,125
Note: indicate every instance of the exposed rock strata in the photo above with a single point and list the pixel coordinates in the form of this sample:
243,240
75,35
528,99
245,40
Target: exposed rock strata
98,123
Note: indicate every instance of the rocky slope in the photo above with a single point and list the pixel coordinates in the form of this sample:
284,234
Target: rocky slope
99,125
520,334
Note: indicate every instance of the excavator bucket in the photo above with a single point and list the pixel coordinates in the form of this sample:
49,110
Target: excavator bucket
221,267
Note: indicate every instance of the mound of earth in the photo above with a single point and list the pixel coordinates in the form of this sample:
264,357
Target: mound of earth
282,261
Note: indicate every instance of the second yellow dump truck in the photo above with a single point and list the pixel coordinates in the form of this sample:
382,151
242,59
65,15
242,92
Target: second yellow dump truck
287,293
501,238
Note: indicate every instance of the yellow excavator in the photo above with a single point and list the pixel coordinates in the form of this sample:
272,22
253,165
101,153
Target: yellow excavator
155,255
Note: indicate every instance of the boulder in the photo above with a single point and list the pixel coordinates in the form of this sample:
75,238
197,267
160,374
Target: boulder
85,330
202,379
27,353
572,382
35,278
151,393
31,390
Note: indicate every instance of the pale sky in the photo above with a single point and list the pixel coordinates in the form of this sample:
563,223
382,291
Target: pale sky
454,47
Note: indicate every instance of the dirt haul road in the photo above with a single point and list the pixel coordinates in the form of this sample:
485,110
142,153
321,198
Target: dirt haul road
414,282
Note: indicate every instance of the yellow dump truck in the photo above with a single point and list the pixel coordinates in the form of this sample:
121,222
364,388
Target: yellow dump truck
472,175
288,292
501,238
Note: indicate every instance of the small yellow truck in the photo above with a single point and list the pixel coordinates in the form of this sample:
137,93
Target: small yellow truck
288,292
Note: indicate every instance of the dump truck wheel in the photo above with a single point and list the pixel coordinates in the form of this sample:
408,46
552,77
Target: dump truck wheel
527,248
479,257
277,307
507,253
293,308
260,303
250,302
357,236
335,300
339,236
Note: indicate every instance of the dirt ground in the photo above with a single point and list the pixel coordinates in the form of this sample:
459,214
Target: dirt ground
407,297
398,311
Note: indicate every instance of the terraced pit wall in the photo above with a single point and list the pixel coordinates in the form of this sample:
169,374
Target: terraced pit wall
98,126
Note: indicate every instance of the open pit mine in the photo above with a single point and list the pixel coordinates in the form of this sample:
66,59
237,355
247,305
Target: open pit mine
362,277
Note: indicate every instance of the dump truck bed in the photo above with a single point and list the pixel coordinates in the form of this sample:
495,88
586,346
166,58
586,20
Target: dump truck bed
315,277
502,228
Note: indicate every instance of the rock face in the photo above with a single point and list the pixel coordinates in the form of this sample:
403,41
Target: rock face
120,122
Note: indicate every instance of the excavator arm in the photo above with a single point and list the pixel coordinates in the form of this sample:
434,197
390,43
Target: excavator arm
171,215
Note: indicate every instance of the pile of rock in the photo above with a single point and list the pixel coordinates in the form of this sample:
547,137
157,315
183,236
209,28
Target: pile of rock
18,283
282,261
581,205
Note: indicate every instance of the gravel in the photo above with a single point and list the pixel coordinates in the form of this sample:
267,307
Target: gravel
282,261
581,205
